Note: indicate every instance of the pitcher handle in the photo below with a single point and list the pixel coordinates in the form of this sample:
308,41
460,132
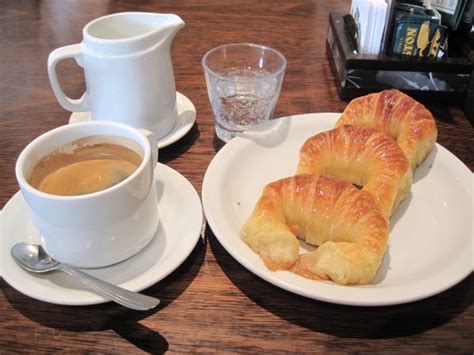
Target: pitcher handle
72,51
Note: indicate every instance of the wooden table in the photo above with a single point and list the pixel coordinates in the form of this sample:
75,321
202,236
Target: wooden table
210,303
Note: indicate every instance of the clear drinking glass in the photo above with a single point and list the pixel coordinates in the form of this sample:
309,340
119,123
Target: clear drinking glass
243,83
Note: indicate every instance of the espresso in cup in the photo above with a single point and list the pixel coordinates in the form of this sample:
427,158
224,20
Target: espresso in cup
85,166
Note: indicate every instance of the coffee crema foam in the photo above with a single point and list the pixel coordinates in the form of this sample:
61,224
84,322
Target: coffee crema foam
76,169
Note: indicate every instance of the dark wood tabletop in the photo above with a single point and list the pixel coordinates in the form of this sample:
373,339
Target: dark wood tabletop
211,302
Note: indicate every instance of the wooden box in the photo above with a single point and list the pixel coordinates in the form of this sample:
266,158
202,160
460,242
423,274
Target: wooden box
425,79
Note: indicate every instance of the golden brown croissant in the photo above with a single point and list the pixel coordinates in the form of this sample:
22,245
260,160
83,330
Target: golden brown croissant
364,156
404,119
347,225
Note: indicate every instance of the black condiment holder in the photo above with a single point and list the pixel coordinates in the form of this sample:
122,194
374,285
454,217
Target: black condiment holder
425,79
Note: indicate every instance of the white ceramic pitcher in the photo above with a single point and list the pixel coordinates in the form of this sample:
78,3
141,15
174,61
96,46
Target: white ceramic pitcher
128,70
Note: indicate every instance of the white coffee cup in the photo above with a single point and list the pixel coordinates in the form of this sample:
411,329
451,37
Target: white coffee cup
100,228
128,70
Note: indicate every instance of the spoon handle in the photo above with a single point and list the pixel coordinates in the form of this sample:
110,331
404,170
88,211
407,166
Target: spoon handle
129,299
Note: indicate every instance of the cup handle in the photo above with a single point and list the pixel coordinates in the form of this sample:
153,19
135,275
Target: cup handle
73,51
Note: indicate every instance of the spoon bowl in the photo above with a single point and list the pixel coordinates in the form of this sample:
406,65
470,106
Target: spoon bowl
33,258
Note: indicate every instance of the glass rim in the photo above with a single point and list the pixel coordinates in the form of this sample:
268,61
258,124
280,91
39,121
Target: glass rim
244,44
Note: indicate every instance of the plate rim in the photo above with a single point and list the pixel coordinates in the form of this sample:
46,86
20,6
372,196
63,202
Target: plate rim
271,277
91,298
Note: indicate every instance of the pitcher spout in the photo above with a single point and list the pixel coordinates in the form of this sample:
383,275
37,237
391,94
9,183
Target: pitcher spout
171,25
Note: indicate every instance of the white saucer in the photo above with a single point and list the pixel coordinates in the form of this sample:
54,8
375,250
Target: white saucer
186,119
181,219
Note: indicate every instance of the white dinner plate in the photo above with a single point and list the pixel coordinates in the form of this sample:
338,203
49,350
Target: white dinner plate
181,220
430,244
184,122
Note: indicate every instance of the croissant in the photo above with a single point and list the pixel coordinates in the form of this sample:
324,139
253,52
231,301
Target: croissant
347,225
404,119
364,156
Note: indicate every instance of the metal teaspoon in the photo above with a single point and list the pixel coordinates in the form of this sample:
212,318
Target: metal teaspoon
33,257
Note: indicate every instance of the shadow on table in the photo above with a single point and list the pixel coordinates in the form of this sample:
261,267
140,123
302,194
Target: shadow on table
180,147
217,143
441,112
347,321
106,316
